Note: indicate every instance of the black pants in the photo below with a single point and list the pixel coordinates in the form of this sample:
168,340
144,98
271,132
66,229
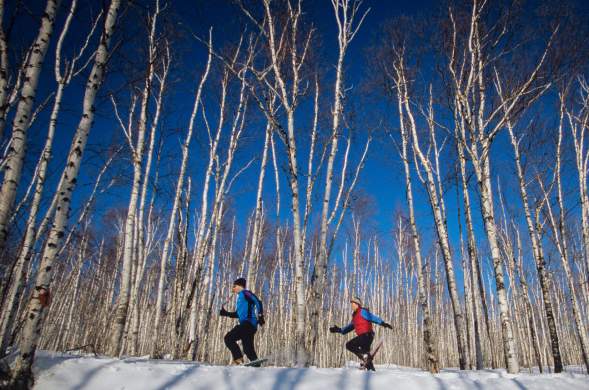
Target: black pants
360,345
244,332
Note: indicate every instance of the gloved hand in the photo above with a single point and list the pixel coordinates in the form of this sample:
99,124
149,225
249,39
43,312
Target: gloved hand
261,320
223,312
386,325
335,329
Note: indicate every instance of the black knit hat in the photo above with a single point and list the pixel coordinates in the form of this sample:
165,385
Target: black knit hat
239,282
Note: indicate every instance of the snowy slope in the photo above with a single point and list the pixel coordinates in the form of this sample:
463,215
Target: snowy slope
60,372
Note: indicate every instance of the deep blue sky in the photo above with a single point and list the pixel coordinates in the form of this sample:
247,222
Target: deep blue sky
382,178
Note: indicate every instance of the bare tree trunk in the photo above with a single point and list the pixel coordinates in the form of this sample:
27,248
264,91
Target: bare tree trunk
179,185
560,238
4,90
436,203
430,349
18,273
256,231
21,123
476,280
537,251
137,148
38,303
345,12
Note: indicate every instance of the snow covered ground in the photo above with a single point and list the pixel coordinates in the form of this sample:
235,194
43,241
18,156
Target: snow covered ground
55,371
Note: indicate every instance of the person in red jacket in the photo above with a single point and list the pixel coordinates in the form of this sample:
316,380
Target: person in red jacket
362,320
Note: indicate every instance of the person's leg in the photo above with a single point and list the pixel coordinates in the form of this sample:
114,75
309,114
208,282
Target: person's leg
231,342
247,340
364,342
355,346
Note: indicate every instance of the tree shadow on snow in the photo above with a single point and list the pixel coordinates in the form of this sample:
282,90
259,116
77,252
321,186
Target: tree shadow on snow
176,379
518,384
367,377
46,362
91,374
288,378
341,383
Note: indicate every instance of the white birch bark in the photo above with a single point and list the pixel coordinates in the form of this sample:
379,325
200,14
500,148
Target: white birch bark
579,125
179,185
437,210
4,89
430,349
37,306
537,251
345,12
18,273
137,148
21,123
143,247
560,238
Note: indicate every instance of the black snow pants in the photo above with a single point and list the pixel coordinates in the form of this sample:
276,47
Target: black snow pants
244,332
360,345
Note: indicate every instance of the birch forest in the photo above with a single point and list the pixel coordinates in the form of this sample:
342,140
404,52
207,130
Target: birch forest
432,161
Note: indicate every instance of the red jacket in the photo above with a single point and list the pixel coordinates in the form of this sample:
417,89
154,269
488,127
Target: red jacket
361,324
362,320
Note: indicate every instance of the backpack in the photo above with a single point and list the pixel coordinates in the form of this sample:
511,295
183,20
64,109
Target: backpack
251,304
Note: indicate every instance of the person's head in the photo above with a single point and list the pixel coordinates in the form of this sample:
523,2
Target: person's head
356,303
238,285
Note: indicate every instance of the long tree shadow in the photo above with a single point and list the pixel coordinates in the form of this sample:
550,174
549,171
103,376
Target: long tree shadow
91,374
47,362
176,379
518,384
440,382
465,378
341,383
367,377
253,371
288,378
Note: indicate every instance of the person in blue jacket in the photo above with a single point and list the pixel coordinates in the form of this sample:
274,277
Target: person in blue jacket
250,312
362,320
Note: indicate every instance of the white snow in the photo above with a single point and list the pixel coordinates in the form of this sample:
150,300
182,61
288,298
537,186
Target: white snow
66,371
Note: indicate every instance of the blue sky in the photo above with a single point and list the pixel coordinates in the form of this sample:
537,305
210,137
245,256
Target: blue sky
382,177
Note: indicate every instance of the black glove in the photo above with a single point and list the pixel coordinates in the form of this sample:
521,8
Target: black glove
223,312
335,329
386,325
261,320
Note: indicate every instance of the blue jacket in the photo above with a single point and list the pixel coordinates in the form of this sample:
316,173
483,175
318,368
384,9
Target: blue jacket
248,308
368,316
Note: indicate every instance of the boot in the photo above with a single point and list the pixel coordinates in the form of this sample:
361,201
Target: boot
237,362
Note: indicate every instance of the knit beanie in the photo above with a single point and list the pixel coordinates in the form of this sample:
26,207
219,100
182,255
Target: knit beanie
239,282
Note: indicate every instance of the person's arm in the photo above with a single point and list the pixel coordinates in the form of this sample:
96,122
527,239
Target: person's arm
347,329
225,313
368,316
337,329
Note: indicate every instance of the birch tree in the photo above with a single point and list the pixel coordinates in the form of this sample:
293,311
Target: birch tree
432,182
179,186
431,352
39,300
284,46
345,14
470,64
136,147
537,247
21,122
63,77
